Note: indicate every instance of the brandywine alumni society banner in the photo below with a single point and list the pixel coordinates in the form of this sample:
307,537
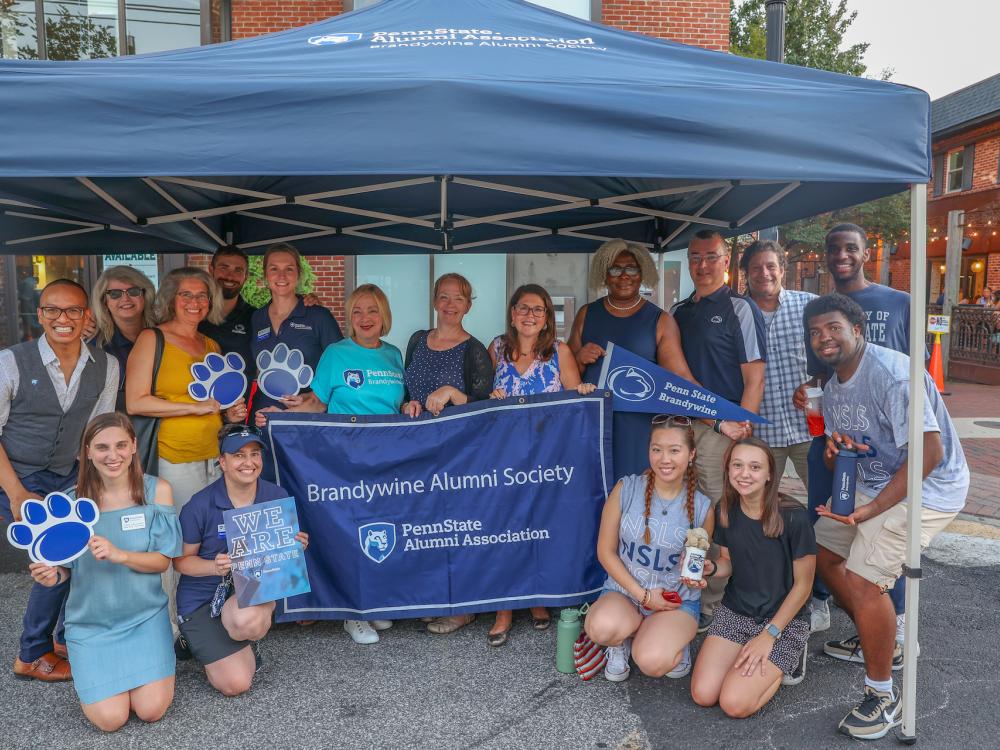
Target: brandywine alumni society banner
493,505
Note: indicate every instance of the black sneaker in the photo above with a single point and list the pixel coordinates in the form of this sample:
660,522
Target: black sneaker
874,716
258,658
849,649
181,648
705,622
799,673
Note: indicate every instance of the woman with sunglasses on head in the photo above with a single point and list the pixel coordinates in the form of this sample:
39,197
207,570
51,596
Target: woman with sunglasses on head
757,641
647,610
117,625
529,359
122,309
625,318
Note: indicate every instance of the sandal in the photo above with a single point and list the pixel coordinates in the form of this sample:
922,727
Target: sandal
448,625
305,623
498,639
541,623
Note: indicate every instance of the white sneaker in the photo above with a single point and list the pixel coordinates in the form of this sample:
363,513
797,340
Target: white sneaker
617,668
820,618
683,667
361,631
380,624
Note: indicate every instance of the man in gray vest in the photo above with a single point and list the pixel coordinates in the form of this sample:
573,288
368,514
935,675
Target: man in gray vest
49,389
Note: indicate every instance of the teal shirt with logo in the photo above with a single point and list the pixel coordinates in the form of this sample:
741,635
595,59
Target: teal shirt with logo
351,379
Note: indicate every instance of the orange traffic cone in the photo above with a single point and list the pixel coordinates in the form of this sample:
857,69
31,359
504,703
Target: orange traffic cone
937,365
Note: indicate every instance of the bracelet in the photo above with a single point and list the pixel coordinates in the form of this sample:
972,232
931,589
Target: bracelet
717,427
645,598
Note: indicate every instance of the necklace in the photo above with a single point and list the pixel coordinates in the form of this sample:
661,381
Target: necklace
623,308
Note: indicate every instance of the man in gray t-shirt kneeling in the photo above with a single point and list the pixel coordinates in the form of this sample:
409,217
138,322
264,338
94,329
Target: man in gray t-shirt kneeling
865,407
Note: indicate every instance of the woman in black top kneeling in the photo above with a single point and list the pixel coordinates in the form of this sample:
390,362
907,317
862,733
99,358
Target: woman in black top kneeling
758,639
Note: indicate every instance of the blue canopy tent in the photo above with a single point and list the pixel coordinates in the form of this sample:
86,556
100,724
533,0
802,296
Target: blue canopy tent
454,125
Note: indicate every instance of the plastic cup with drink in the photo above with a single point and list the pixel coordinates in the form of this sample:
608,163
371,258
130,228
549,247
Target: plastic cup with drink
814,411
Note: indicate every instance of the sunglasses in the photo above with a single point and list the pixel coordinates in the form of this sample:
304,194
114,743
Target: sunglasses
132,291
672,421
616,271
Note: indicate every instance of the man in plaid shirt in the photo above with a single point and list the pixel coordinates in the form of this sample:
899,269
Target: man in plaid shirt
764,265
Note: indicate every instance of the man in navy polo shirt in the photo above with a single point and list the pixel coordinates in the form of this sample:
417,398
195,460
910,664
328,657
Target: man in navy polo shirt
722,334
229,268
225,644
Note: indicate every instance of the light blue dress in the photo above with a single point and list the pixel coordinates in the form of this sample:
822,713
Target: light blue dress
117,625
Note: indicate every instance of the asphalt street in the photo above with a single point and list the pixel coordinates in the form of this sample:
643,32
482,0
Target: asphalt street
413,690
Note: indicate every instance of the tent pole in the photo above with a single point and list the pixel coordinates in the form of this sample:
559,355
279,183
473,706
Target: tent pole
915,462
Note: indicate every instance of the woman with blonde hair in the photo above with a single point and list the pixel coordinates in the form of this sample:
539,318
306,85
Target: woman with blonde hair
625,318
122,301
361,374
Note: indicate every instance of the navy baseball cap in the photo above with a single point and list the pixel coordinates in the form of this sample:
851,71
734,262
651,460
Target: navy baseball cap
232,442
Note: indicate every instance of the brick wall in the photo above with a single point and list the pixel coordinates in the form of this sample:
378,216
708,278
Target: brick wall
899,274
986,160
993,271
255,17
701,22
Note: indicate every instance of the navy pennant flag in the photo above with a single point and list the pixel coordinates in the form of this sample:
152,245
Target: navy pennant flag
640,385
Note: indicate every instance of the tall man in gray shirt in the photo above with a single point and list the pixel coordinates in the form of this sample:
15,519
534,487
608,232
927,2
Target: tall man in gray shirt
49,389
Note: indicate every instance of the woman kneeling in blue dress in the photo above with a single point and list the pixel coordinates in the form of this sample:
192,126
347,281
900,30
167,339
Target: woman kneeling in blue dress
117,626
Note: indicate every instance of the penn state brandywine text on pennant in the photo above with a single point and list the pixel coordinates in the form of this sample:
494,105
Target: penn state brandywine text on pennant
640,385
219,376
475,510
268,562
56,530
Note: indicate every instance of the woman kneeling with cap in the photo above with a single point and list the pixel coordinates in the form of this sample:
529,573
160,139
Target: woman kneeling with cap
227,642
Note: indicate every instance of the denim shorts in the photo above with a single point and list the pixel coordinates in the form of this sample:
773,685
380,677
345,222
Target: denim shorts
689,606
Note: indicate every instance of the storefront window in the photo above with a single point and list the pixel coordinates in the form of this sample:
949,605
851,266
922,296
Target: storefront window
81,29
163,25
18,38
33,272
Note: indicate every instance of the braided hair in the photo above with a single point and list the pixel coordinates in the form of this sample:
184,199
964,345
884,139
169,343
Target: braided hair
690,475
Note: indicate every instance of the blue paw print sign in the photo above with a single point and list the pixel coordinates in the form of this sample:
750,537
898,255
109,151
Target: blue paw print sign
55,531
282,372
219,377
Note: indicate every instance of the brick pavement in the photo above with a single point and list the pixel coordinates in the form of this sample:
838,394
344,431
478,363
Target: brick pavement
976,409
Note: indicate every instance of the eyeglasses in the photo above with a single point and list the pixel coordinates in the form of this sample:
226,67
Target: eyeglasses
711,259
54,313
672,420
189,297
616,271
132,291
525,310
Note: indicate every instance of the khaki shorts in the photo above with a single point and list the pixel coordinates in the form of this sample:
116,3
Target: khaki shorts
876,549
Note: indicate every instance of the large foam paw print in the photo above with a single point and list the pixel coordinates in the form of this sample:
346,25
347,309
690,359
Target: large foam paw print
219,377
56,530
282,372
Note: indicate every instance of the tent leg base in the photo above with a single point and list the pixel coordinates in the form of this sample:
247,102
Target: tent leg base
905,739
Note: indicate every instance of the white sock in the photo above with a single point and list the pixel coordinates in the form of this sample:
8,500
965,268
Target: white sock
900,627
882,686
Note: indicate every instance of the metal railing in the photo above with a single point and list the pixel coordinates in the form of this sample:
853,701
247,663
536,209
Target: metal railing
975,335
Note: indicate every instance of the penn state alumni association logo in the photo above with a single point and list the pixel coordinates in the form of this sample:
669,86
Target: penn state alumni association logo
354,378
377,540
327,39
631,383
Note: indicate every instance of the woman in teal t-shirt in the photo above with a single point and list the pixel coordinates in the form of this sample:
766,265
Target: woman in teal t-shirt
360,375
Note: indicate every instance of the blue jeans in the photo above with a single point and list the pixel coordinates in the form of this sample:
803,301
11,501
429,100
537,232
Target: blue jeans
820,483
44,613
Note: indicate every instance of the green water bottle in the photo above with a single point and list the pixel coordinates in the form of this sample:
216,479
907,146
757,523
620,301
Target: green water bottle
567,632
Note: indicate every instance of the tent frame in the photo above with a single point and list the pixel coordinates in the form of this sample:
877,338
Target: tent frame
443,221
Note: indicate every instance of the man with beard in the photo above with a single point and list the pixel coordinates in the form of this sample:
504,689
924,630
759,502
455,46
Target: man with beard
861,555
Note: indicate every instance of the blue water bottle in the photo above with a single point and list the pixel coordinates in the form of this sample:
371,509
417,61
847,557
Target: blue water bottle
845,479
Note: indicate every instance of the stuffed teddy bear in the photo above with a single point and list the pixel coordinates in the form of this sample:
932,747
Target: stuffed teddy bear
698,538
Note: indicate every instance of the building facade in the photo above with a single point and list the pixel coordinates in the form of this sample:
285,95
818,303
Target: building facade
81,29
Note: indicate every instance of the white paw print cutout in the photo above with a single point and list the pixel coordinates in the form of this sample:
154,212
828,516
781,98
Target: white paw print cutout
219,377
54,531
282,372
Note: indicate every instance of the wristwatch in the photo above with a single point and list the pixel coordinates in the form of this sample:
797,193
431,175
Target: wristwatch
773,630
716,427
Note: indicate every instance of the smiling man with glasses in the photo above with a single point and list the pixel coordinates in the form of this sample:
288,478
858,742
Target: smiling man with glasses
723,338
49,389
